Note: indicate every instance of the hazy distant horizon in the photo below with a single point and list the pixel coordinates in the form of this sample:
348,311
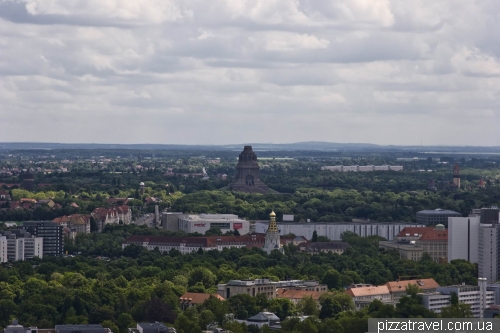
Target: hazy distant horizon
304,144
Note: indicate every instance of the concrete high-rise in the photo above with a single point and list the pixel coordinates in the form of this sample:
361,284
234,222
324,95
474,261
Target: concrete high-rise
487,252
463,238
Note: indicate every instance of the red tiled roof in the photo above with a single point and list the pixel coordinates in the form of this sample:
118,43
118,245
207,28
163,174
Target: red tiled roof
368,291
208,241
198,298
298,293
424,284
425,233
438,235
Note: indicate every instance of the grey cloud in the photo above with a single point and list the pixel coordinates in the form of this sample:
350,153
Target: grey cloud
220,71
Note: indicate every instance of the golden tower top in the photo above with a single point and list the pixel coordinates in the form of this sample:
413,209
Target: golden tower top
272,222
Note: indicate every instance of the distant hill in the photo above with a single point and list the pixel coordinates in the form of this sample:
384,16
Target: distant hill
312,145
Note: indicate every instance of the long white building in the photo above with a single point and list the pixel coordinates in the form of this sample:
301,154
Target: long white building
202,222
478,297
362,168
333,230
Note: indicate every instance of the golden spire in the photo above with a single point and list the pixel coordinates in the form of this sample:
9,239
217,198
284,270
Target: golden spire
272,222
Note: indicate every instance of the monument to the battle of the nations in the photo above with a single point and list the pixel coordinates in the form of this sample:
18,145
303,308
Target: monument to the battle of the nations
247,174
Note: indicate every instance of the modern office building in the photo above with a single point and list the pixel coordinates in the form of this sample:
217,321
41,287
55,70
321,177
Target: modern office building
436,216
489,215
170,220
21,245
463,238
52,234
202,222
333,230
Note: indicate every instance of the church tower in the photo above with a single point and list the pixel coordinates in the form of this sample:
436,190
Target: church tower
272,240
456,176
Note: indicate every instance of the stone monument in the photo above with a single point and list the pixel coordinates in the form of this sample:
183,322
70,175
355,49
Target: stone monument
247,174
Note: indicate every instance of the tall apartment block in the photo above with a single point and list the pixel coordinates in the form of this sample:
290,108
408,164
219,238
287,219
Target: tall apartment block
52,234
477,238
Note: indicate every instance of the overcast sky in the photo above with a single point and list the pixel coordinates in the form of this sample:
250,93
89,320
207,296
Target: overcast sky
232,71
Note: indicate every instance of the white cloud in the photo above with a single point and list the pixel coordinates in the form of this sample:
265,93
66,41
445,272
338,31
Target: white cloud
220,71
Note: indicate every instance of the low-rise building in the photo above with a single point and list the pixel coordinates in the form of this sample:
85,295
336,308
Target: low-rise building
266,286
407,251
334,230
93,328
80,223
192,244
338,247
478,297
436,216
203,222
263,318
115,215
155,327
16,328
192,299
412,242
398,288
363,296
295,295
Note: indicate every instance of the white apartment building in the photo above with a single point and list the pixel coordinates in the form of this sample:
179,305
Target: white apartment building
350,168
202,222
18,245
478,297
362,168
332,168
365,168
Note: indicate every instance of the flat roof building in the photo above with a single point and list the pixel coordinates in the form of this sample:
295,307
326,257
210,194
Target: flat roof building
333,230
201,223
436,216
52,234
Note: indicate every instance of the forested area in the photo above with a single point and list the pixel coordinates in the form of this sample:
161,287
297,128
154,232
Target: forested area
314,194
138,285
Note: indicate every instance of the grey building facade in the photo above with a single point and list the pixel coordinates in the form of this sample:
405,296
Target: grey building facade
52,234
436,216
